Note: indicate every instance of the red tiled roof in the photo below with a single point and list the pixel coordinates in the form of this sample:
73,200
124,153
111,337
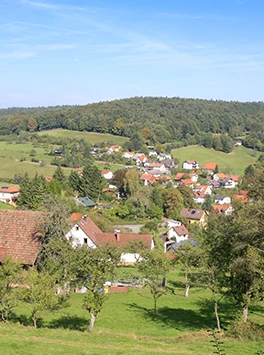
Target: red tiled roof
221,208
75,217
89,227
20,235
243,198
210,166
181,230
124,239
148,177
178,176
187,182
104,172
9,189
235,177
142,157
192,213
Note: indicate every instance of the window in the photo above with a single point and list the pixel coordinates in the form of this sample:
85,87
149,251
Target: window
85,240
77,228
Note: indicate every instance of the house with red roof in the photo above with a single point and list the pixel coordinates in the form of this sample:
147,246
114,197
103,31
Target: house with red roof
178,233
86,232
20,235
225,209
113,149
210,168
148,179
107,174
128,155
200,193
242,195
9,194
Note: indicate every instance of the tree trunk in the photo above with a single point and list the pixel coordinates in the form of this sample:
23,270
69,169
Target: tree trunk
245,314
155,305
34,321
92,321
216,314
187,286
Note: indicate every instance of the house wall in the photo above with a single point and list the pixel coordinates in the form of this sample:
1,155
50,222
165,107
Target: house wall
77,237
7,195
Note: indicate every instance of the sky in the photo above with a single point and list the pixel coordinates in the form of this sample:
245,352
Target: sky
75,52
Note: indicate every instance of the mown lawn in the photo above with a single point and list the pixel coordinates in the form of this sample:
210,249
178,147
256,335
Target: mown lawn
236,161
90,137
126,325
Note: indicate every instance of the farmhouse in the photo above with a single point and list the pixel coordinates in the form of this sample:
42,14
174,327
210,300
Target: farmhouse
9,194
225,209
86,232
190,164
107,174
20,235
221,199
210,168
197,216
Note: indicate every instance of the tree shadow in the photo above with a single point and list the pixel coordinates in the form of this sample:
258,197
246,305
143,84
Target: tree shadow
21,319
70,322
177,318
227,311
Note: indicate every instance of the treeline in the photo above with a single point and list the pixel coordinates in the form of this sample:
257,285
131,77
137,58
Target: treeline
154,119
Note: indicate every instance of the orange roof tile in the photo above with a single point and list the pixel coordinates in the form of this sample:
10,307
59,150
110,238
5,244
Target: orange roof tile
9,189
20,235
210,166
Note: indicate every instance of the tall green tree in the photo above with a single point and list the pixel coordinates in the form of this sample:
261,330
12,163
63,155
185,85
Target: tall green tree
153,266
93,267
91,182
40,294
11,278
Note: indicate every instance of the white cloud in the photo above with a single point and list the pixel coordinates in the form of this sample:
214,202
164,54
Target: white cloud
17,55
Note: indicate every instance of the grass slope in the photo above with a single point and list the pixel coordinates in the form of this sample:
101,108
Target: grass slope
236,161
90,137
126,325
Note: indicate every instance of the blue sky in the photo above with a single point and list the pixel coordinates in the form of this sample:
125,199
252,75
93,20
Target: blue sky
64,52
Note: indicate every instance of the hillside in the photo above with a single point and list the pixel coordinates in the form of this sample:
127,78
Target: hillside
155,119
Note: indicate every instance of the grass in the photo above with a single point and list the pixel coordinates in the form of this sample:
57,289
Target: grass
236,161
126,325
6,206
10,167
90,137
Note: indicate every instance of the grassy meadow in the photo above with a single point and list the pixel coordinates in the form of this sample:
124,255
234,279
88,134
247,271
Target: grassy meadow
126,325
90,137
236,161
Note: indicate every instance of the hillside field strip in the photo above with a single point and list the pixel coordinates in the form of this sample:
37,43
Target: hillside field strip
91,137
236,161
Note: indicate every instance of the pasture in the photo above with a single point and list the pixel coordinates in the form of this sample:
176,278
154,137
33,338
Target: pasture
91,137
127,325
236,161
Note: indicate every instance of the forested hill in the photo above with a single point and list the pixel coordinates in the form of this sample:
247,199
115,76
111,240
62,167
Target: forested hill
154,119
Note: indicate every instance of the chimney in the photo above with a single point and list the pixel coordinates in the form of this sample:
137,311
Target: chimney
117,235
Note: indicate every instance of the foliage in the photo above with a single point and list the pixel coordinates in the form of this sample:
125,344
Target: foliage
40,294
10,282
32,192
93,267
153,265
91,182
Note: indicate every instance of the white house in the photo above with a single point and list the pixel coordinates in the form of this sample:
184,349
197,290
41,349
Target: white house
221,199
153,154
128,155
86,232
190,164
107,174
200,193
173,223
156,166
9,194
178,233
113,149
164,156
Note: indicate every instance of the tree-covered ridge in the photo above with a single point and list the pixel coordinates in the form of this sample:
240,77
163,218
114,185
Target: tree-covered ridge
157,119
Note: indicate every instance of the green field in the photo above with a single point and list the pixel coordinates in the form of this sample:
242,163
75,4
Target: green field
126,325
90,137
236,161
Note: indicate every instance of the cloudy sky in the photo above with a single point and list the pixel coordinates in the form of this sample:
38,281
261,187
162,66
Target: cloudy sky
63,52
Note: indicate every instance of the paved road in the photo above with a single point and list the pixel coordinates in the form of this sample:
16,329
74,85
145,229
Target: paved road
134,227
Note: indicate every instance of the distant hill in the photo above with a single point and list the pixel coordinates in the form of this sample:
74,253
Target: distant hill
150,119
